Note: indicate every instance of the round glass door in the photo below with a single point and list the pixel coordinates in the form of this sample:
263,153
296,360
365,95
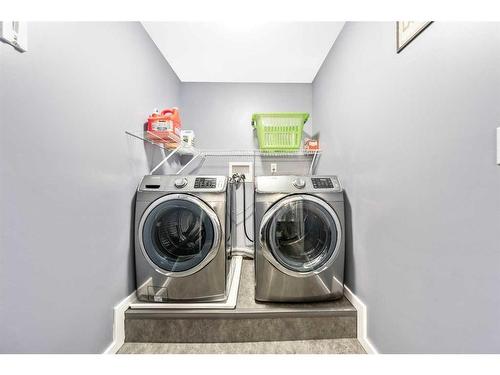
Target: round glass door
302,233
178,234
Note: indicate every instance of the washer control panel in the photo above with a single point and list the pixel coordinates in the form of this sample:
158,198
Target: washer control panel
188,183
205,183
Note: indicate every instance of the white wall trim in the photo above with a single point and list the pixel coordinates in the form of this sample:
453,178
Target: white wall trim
119,323
362,321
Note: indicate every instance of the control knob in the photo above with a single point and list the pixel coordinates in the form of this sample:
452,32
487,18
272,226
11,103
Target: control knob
180,183
299,183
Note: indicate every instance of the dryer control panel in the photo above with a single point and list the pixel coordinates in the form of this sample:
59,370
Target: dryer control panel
298,184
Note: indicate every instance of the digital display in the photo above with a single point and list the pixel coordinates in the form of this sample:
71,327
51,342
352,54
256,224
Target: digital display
322,183
205,183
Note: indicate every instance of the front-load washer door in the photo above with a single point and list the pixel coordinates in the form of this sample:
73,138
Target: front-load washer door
300,235
179,234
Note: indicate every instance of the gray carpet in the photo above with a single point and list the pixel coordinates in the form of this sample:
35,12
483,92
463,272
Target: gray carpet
336,346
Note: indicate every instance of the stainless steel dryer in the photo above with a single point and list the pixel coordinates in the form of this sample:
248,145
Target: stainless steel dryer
299,249
180,250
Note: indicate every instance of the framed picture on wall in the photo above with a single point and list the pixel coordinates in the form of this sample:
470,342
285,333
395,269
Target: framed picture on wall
406,31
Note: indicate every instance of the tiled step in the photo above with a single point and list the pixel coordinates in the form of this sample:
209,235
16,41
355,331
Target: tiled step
248,322
338,346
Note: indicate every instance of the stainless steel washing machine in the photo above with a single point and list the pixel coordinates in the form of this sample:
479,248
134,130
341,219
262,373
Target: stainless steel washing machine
180,245
299,249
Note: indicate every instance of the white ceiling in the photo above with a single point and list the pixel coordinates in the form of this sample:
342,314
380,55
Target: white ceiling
243,51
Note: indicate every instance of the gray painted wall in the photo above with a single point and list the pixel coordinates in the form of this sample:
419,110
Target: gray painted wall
411,135
413,138
221,113
68,175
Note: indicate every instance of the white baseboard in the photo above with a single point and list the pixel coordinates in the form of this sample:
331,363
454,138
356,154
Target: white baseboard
119,323
362,321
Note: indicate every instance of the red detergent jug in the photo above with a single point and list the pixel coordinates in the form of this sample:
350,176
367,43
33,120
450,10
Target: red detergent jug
165,127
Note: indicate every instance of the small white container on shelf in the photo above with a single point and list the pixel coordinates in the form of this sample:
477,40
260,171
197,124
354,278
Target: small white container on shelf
187,139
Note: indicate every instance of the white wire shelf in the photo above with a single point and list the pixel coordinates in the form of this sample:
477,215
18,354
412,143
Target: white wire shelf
166,141
172,144
256,152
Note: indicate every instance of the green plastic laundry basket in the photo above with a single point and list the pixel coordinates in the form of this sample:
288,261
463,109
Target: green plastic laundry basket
279,131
